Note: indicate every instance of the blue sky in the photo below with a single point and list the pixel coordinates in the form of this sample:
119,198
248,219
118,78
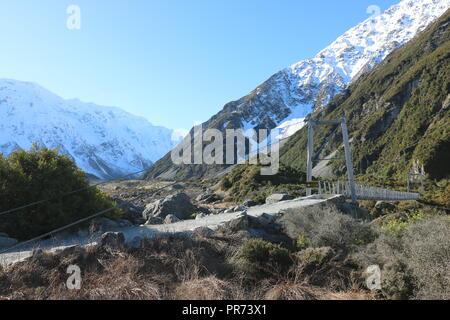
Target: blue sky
173,62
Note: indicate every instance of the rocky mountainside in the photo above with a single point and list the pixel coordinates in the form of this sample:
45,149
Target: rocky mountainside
105,142
398,114
286,98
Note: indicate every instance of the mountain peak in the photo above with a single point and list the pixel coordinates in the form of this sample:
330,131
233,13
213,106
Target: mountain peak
289,96
106,142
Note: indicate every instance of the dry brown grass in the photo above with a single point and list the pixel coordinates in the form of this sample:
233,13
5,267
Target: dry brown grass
292,291
348,295
165,268
210,288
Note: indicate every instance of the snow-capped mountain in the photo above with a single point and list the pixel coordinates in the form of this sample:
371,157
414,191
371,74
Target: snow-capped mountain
286,98
289,96
106,142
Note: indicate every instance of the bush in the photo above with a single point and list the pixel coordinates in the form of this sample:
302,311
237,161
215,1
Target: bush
399,224
260,258
397,281
246,182
414,262
325,227
427,253
42,174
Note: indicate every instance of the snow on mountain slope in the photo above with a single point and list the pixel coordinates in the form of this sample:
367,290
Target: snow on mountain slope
289,96
104,141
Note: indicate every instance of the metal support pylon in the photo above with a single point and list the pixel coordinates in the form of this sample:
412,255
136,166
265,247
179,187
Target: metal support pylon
348,155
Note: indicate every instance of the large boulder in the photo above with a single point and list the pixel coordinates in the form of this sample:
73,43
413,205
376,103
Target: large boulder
178,204
240,222
278,198
132,212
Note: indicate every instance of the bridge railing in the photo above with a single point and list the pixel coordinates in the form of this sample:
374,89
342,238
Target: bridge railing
365,192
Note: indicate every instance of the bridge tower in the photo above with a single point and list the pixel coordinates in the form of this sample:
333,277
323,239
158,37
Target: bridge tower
348,156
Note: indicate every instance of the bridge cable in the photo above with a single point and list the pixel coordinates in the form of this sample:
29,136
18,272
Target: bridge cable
75,223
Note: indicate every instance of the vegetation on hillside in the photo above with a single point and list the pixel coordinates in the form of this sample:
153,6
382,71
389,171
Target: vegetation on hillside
327,259
42,174
398,114
245,182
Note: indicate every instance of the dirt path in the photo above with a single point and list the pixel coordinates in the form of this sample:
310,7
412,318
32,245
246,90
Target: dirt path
211,221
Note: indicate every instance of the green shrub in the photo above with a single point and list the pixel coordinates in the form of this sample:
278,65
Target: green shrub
397,281
401,223
302,242
427,252
414,262
326,227
39,174
261,258
195,214
246,182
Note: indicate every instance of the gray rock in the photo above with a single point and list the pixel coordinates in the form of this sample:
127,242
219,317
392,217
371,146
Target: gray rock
204,232
249,203
229,210
178,204
278,198
4,235
112,240
266,219
171,218
239,208
207,198
204,197
154,221
6,242
200,216
132,212
241,222
384,206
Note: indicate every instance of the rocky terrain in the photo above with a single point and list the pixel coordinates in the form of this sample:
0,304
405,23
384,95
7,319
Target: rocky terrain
303,249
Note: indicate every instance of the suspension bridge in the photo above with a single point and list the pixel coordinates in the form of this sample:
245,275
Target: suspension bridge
364,192
349,189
